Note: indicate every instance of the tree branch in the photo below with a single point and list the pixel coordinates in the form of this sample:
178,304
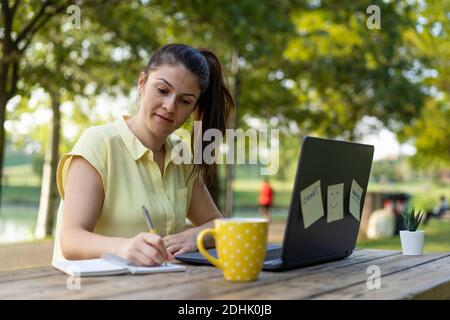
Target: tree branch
8,23
15,6
23,34
41,23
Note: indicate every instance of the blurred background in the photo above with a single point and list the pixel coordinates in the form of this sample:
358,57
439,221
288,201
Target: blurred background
334,69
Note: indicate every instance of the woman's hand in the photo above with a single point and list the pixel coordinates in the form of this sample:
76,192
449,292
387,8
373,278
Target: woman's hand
145,249
182,242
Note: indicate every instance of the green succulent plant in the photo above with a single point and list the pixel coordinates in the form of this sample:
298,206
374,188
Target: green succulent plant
412,217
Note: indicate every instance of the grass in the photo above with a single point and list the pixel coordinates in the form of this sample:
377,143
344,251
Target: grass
437,239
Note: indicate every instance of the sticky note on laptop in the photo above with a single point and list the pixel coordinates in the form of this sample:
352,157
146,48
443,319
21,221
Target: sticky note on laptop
335,202
311,204
355,199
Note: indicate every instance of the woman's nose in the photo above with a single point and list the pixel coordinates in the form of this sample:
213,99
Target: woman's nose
170,104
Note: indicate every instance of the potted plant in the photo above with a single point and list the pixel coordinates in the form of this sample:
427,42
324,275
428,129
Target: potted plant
412,239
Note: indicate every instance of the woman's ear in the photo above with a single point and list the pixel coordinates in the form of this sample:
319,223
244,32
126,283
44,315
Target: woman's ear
141,82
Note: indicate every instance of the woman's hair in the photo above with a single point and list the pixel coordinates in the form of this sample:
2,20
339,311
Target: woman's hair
215,103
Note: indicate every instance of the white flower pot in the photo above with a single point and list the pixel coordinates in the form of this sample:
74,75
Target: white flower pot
412,242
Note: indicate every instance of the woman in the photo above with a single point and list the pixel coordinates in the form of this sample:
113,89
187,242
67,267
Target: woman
113,170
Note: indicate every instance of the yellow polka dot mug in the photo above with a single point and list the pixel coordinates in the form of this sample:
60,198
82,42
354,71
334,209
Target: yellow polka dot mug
241,247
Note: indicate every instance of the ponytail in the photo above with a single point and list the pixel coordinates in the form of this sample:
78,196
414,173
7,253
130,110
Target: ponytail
213,109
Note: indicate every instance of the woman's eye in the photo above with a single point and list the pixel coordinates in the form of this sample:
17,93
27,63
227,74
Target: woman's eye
162,91
186,102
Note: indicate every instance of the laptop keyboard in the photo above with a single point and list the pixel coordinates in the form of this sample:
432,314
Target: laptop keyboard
273,254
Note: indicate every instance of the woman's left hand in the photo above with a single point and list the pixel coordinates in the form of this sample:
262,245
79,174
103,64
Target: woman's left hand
182,242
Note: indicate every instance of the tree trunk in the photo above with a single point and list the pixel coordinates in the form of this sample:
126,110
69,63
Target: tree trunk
229,176
3,102
49,192
8,87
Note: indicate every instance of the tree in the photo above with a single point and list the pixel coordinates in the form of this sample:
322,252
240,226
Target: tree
430,131
19,24
345,71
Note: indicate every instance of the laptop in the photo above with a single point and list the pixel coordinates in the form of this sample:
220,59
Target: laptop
332,162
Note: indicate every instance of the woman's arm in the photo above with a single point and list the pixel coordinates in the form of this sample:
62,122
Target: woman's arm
202,212
83,201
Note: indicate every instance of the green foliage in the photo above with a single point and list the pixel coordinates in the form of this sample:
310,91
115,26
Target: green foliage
437,239
344,71
412,218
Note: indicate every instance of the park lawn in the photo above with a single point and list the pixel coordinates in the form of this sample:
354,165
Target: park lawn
437,239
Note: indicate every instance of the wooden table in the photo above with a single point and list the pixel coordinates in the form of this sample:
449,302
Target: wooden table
402,277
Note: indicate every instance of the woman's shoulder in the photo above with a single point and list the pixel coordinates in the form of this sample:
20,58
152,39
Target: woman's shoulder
95,139
98,134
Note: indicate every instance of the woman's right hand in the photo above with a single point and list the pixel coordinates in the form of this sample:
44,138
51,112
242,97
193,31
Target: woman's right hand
145,249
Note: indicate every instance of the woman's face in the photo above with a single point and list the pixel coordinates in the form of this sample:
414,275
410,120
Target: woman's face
167,98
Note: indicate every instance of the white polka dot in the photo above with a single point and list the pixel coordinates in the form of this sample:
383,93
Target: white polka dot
231,243
238,250
247,231
244,270
230,228
238,236
232,256
253,250
246,258
239,278
246,245
251,264
232,270
224,237
255,224
238,263
225,264
224,251
254,238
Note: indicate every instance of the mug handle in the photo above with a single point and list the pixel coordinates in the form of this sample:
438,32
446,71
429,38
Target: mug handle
202,249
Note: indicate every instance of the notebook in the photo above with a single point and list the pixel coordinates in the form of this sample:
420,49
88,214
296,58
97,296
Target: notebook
108,265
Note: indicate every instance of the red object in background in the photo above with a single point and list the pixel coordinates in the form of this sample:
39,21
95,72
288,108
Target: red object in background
265,194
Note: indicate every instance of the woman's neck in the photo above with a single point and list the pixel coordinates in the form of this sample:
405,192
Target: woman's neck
145,136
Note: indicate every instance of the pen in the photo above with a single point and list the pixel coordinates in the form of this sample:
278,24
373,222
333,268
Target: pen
151,228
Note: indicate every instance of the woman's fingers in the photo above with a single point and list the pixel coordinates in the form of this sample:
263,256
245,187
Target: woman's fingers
141,259
156,242
151,253
182,250
173,248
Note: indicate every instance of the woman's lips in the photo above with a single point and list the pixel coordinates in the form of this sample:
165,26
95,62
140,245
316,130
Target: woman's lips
164,118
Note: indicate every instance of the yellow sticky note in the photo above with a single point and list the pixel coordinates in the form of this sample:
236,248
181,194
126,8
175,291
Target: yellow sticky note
311,204
355,199
335,202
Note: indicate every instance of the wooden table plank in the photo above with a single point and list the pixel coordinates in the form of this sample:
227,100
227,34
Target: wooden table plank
202,282
26,274
30,284
213,286
54,286
430,280
317,284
